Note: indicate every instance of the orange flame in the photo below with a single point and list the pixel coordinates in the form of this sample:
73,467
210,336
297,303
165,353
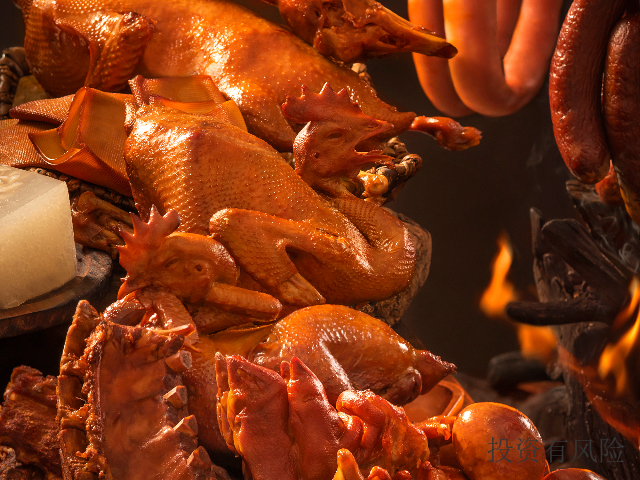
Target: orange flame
616,356
500,290
535,342
608,383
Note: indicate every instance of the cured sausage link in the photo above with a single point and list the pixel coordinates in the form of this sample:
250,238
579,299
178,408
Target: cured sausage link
433,72
484,82
621,107
575,86
477,79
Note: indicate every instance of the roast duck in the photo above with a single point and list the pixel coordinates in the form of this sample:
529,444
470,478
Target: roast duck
220,346
207,350
102,44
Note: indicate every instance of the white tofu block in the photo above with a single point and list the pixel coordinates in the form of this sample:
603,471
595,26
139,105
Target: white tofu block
37,251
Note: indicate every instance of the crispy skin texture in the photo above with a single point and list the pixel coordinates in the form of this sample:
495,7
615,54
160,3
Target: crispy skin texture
225,182
74,43
28,419
323,337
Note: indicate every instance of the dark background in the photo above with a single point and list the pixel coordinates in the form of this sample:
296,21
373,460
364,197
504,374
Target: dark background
465,199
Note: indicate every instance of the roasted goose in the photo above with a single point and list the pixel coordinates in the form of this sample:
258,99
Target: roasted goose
74,43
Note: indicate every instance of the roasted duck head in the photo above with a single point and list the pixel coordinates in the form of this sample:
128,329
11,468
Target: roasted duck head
356,30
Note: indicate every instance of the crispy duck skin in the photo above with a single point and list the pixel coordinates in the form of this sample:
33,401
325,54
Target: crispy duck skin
28,420
300,248
122,407
81,42
323,337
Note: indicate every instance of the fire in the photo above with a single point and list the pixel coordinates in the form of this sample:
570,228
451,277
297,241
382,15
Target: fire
535,342
611,383
616,357
500,290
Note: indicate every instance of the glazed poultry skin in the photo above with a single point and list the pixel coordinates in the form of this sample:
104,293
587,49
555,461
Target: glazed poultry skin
231,185
103,43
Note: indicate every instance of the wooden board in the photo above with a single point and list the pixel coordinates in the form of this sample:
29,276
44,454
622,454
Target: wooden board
91,283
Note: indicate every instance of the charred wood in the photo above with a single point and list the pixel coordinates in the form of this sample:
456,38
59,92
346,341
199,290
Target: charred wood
582,274
507,370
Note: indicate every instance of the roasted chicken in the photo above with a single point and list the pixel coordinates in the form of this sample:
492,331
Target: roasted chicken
323,337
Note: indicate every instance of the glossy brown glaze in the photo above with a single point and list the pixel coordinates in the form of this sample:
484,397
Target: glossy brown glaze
79,42
481,434
324,337
299,247
122,408
283,426
575,86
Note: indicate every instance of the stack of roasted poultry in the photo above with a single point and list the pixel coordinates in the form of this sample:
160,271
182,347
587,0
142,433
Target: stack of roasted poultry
236,340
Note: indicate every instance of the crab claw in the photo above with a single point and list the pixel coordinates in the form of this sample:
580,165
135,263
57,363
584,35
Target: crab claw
356,30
